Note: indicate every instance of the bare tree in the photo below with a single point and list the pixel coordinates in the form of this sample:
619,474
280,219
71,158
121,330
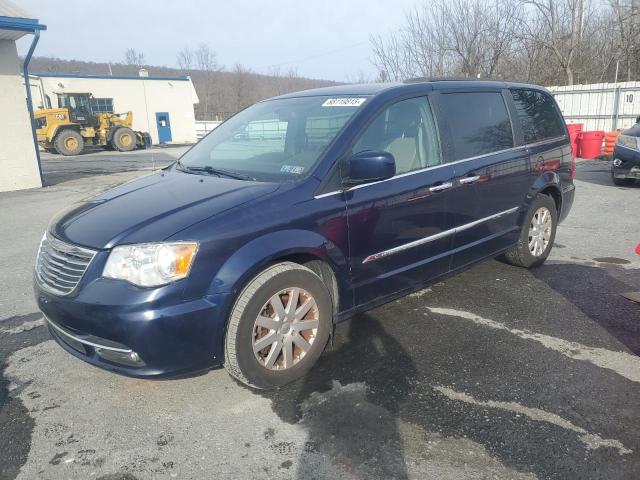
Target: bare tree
541,41
133,57
207,62
390,57
459,37
625,17
563,22
426,37
186,59
241,86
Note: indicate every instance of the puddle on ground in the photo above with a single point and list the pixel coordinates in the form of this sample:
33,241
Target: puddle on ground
615,260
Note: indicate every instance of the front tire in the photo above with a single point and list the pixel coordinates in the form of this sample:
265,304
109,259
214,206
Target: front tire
124,139
278,327
537,235
69,142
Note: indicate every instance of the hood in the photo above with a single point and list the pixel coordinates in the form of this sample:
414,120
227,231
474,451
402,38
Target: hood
152,208
634,131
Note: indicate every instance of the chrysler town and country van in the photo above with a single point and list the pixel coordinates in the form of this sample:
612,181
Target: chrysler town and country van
297,213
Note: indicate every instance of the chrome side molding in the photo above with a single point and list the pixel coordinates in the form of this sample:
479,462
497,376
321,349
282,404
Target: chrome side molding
437,236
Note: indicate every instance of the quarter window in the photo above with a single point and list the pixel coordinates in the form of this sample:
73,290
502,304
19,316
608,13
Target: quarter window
538,115
407,130
478,123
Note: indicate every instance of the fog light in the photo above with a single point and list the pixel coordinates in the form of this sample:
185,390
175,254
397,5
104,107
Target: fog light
617,162
128,359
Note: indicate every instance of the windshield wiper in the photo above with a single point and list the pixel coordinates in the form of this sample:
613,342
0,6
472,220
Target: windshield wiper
213,171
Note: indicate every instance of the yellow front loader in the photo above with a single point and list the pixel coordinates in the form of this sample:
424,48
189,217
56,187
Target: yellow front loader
68,129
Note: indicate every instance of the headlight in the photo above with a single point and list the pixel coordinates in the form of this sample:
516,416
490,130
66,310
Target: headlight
150,264
629,141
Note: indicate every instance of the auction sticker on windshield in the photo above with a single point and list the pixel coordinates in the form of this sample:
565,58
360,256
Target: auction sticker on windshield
292,169
343,102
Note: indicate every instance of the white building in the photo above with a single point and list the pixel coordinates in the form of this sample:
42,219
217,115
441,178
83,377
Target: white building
162,106
19,158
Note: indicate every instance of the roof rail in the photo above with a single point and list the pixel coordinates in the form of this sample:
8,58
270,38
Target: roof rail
447,79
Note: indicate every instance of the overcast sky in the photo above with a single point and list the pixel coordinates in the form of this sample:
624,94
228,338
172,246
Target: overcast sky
326,39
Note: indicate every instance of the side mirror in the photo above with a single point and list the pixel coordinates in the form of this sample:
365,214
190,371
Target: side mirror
369,166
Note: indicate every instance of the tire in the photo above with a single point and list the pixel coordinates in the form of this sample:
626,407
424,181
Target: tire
124,139
623,182
521,254
69,142
267,367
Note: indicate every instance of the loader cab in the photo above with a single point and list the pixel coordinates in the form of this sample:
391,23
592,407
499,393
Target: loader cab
79,106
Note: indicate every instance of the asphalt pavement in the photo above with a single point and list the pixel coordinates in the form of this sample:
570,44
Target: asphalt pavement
496,373
57,169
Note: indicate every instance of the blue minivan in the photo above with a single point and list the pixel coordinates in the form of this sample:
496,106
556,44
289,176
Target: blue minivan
298,213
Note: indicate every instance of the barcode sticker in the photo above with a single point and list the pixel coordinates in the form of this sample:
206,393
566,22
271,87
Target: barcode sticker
343,102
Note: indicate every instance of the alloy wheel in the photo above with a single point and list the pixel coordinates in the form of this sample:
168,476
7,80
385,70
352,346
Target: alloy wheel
540,231
285,329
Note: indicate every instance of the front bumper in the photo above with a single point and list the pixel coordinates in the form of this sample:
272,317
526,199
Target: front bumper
628,160
122,328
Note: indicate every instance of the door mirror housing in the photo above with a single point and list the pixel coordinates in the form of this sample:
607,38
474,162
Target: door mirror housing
369,166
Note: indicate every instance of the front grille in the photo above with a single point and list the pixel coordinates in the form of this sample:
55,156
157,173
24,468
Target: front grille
60,265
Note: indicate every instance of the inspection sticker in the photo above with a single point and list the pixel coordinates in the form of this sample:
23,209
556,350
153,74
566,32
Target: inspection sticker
344,102
292,169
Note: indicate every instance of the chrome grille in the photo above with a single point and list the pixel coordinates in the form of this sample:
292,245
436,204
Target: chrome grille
60,265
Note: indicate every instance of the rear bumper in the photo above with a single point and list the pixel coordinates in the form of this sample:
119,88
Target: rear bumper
568,193
137,339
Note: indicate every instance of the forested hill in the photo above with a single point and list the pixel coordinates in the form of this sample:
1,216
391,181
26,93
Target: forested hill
221,92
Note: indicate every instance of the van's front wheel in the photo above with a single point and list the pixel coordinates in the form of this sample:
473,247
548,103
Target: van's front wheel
537,235
278,327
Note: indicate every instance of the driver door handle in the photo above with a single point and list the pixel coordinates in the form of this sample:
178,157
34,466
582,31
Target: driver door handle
467,180
441,187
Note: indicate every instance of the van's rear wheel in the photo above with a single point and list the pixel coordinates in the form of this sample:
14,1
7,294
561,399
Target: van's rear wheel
278,327
537,235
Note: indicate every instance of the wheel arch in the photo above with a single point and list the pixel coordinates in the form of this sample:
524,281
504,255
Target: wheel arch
58,129
554,192
547,184
298,246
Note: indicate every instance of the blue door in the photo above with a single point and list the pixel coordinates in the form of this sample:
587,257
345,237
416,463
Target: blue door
492,173
164,127
399,228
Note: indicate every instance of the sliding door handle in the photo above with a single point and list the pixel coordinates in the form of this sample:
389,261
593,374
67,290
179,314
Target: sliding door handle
441,187
466,180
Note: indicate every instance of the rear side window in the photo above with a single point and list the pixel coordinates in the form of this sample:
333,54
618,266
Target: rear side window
538,115
479,123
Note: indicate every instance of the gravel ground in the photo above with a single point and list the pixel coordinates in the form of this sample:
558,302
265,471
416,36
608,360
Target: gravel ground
498,372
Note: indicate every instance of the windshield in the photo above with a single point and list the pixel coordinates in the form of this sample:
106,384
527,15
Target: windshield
275,140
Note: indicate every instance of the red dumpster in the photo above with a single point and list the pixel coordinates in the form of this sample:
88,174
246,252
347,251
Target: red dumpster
574,130
590,144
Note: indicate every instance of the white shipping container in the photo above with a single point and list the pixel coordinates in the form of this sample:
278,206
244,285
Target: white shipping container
599,106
